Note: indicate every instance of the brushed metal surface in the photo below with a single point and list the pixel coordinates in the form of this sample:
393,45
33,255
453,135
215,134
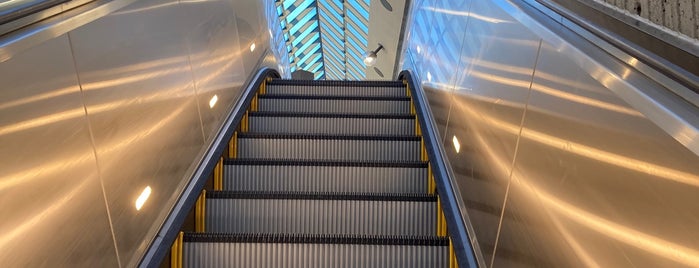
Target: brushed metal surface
252,29
142,111
216,58
145,70
596,178
611,188
51,200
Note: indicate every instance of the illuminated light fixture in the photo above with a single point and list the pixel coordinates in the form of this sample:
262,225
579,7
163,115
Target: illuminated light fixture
143,198
370,56
213,101
457,145
252,47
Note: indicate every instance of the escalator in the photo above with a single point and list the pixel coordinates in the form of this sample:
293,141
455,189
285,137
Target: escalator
321,174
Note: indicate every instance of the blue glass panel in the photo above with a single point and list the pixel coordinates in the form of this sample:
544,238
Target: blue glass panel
328,37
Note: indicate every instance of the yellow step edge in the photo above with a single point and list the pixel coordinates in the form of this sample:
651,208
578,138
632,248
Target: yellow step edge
176,251
200,213
218,175
233,146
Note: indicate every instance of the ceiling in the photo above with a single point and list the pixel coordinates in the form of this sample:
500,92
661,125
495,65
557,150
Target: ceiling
330,37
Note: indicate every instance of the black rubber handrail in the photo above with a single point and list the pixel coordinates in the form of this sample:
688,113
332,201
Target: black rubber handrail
672,71
28,8
160,246
465,244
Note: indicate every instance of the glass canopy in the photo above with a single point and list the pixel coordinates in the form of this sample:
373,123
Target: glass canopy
326,37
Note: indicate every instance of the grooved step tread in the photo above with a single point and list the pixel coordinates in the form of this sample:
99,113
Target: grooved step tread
322,115
399,197
336,83
317,239
331,97
251,135
289,162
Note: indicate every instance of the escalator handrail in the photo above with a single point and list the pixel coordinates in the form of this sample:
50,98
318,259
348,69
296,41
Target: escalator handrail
160,245
663,66
460,229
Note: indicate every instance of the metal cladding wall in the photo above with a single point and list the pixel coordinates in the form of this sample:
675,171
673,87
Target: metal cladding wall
101,103
565,155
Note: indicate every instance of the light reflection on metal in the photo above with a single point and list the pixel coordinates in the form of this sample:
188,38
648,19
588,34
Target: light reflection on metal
252,47
592,152
457,145
633,62
40,97
42,121
556,93
141,200
75,113
213,101
26,176
526,71
466,14
649,243
50,168
40,217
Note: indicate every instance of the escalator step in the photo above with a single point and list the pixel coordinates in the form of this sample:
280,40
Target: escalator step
336,88
284,250
321,213
337,83
334,104
325,176
339,124
329,147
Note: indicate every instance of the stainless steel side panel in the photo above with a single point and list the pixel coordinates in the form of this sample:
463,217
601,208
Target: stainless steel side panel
216,57
73,163
557,164
142,106
51,200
